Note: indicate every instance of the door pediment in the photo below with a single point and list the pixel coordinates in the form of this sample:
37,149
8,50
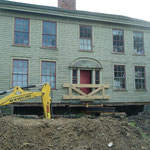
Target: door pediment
86,63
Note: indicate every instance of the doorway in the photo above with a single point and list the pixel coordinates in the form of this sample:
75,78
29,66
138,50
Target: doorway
85,78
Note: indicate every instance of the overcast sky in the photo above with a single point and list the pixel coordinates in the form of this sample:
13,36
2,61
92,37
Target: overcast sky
139,9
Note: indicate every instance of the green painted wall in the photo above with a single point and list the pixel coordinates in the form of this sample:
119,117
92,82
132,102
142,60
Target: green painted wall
68,50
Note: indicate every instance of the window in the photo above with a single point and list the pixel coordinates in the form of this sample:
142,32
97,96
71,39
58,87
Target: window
138,42
21,34
49,73
74,76
49,34
140,78
118,41
119,77
85,37
97,75
20,73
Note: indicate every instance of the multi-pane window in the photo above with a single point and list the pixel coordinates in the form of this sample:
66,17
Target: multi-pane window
97,77
118,41
140,77
48,73
85,37
138,42
74,76
20,73
119,77
49,34
21,33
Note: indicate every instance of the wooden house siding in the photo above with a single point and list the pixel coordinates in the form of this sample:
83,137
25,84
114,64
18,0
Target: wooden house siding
68,49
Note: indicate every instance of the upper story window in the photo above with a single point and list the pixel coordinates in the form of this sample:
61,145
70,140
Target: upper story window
21,33
118,41
119,77
48,73
74,76
140,78
20,73
138,43
49,34
85,37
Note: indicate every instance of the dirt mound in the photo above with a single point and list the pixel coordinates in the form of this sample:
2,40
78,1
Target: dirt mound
103,133
142,121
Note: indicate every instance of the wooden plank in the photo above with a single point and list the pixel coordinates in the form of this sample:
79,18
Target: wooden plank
95,91
103,91
126,103
83,105
95,97
70,91
115,114
39,104
86,85
90,105
78,91
86,97
101,109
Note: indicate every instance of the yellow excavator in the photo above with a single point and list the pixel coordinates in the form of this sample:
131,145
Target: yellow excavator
18,94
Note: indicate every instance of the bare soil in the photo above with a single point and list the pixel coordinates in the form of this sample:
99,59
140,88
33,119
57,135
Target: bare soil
104,133
142,121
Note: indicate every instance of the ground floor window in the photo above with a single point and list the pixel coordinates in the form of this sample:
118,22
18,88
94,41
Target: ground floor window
140,78
74,76
97,77
119,77
48,73
20,73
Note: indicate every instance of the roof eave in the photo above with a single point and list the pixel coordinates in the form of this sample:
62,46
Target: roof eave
71,14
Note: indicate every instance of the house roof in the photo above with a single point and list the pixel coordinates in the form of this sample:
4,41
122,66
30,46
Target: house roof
48,10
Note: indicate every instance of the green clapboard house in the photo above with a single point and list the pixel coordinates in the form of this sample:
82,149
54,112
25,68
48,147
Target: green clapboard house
89,59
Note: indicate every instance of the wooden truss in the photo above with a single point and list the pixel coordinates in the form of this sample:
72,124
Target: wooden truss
86,97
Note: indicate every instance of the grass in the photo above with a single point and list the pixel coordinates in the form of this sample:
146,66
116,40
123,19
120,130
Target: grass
132,124
144,135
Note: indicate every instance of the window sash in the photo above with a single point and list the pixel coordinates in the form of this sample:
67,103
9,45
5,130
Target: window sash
20,73
138,39
21,32
74,76
49,34
140,83
48,73
119,77
118,40
85,37
97,77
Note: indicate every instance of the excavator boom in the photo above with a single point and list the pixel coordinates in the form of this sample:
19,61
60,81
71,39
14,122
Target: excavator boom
19,94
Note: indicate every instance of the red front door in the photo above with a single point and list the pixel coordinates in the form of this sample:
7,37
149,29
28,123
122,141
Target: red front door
85,78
